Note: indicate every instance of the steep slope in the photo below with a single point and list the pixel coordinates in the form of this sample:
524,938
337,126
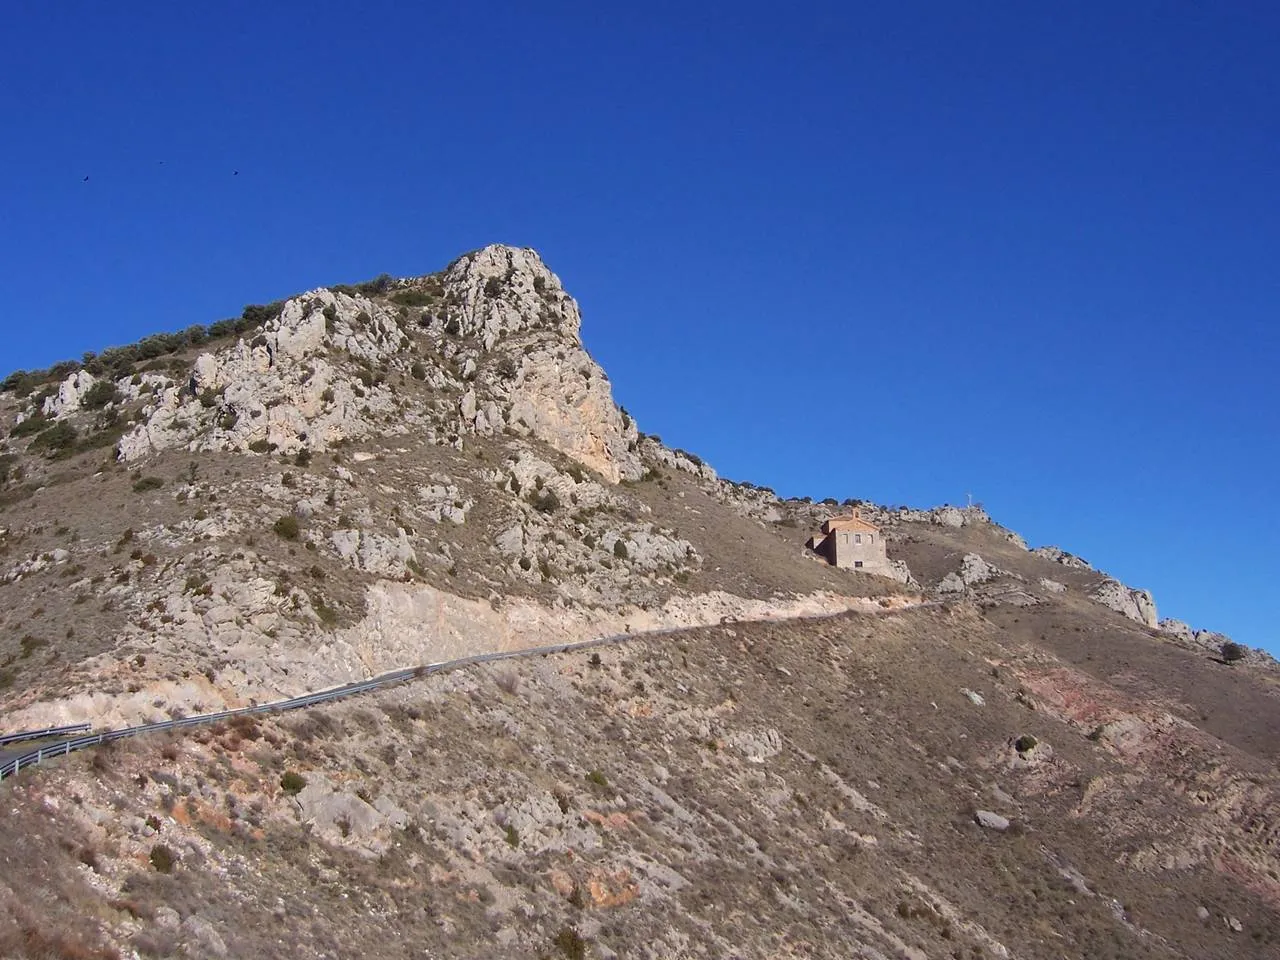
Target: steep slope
758,790
367,478
363,479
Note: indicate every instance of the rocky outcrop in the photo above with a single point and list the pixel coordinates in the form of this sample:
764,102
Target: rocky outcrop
943,516
372,553
70,394
295,385
1058,555
542,382
1177,628
498,346
973,571
654,452
1137,605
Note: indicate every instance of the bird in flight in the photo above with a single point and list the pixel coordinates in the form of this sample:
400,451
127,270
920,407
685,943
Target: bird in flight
86,180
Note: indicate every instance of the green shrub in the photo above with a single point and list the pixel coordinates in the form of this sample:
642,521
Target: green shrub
412,298
1025,743
292,782
1231,652
546,501
58,439
598,778
99,395
256,314
493,287
287,527
33,424
327,614
620,549
570,943
513,837
418,370
147,483
162,858
262,446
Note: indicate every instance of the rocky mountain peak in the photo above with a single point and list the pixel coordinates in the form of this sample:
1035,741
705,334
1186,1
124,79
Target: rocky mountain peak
488,346
501,290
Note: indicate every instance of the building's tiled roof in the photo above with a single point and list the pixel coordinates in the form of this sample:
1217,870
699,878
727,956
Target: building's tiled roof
849,523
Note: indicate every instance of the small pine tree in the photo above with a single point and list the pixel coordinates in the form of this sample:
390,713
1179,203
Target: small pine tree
1231,652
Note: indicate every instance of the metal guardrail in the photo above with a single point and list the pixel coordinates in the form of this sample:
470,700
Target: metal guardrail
381,681
37,756
8,738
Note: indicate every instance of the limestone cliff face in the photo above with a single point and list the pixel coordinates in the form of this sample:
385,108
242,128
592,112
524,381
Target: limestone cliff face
497,349
1137,605
544,384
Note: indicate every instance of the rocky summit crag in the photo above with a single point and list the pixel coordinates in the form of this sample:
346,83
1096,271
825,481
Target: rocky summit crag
979,750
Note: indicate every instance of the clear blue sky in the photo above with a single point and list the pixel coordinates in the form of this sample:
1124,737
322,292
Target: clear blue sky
896,251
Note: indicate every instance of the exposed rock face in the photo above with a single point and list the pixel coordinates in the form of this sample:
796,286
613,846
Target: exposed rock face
944,516
500,347
1137,605
1058,555
973,571
522,295
284,389
677,460
372,553
70,394
551,388
992,821
1177,628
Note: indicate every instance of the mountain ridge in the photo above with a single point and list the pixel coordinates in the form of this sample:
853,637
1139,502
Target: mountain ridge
362,479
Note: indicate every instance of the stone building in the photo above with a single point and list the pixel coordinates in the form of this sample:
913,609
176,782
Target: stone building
851,542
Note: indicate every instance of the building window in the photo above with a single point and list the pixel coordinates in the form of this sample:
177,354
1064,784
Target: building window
857,563
857,538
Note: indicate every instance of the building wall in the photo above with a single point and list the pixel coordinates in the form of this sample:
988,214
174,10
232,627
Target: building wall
852,548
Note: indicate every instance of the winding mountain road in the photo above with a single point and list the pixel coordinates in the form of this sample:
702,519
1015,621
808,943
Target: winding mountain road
13,760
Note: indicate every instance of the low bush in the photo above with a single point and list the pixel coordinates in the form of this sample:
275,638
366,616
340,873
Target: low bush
58,439
99,395
147,483
287,527
32,425
412,298
571,944
162,858
292,782
1231,652
545,501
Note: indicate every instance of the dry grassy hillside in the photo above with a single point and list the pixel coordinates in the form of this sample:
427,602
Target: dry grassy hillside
984,751
804,789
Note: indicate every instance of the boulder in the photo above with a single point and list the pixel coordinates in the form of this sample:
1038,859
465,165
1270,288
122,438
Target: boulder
1058,555
1137,605
992,821
973,571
